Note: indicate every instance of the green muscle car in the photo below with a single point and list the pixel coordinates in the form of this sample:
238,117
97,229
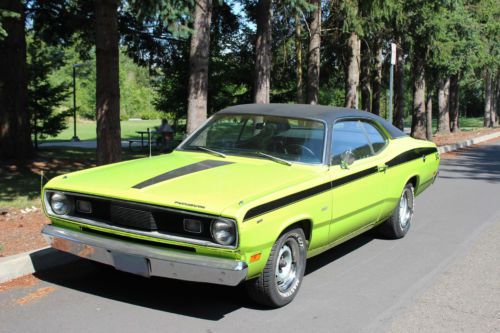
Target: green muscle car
246,198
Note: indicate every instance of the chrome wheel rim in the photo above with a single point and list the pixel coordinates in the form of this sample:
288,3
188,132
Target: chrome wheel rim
286,267
405,208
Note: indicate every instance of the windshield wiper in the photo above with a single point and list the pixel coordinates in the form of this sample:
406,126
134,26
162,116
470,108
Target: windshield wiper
274,158
211,151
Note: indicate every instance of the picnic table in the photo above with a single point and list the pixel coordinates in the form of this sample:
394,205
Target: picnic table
148,133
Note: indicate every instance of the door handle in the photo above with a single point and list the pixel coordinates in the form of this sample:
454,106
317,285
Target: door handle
382,168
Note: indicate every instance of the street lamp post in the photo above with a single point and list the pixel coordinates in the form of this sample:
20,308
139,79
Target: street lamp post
391,80
75,137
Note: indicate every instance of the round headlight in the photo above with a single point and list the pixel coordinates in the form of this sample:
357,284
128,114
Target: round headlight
60,204
223,232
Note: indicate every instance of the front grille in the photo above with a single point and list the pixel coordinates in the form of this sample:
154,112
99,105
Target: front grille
136,216
132,218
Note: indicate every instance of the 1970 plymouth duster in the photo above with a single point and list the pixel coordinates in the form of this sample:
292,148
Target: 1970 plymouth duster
247,198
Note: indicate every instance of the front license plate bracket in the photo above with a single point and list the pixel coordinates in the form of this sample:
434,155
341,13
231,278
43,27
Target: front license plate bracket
131,264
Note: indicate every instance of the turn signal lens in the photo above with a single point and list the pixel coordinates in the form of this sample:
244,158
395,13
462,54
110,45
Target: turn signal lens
83,206
255,257
191,225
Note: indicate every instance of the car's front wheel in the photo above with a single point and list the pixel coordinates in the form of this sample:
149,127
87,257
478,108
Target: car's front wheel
281,278
398,224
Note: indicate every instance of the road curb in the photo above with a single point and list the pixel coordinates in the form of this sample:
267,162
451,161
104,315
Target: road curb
467,143
18,265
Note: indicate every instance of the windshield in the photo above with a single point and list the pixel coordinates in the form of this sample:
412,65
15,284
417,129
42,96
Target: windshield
290,139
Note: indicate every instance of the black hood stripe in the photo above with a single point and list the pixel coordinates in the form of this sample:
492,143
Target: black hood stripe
185,170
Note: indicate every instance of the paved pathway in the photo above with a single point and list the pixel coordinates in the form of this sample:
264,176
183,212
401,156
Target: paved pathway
87,144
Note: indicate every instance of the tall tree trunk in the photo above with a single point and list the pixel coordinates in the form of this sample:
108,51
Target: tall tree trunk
377,77
15,137
488,100
352,83
418,114
262,87
443,104
399,88
454,103
313,62
428,117
199,52
366,89
109,148
496,96
298,56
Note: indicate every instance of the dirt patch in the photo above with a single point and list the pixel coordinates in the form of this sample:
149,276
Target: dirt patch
41,164
22,282
448,139
40,293
21,230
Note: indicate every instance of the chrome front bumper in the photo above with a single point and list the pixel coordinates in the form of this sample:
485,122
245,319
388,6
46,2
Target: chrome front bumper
147,261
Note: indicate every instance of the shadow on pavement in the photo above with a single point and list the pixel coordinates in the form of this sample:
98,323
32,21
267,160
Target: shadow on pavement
205,301
339,251
479,163
211,302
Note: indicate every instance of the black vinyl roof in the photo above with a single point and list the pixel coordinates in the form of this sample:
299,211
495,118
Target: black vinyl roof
328,114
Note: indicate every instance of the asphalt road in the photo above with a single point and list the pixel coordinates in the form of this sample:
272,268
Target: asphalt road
367,284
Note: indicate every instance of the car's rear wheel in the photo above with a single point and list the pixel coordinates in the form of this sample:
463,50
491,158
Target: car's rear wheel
280,281
398,224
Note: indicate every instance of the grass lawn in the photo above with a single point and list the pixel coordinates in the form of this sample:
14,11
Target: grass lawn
85,129
21,183
466,124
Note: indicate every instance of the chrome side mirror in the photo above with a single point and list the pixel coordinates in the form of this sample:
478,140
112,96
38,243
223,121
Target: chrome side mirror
346,159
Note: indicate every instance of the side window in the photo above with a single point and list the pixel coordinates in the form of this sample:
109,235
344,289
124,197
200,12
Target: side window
350,136
376,138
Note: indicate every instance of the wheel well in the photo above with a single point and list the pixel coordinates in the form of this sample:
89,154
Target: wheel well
305,225
414,181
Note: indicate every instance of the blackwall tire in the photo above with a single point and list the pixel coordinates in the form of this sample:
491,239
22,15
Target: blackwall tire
282,276
399,223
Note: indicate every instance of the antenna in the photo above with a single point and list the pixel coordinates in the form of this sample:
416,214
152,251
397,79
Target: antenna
149,141
41,183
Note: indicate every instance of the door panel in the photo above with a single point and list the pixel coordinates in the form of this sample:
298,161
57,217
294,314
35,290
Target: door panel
357,197
358,175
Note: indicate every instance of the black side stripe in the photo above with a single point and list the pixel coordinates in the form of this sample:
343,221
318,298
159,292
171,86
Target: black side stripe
292,198
410,155
353,177
185,170
289,199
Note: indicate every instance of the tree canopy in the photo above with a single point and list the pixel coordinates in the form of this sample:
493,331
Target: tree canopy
328,52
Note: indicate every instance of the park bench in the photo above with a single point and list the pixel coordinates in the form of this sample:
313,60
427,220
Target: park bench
132,141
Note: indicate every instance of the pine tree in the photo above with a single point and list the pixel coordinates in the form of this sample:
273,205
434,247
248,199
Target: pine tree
15,139
263,55
109,147
198,65
44,97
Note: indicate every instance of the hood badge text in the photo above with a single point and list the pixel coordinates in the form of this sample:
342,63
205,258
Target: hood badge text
189,204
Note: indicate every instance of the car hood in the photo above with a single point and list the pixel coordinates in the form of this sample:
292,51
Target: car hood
188,180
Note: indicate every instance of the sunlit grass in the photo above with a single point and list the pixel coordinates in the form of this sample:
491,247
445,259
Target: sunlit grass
86,129
467,124
21,183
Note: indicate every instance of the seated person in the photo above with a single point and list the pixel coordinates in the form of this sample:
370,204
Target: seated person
164,133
